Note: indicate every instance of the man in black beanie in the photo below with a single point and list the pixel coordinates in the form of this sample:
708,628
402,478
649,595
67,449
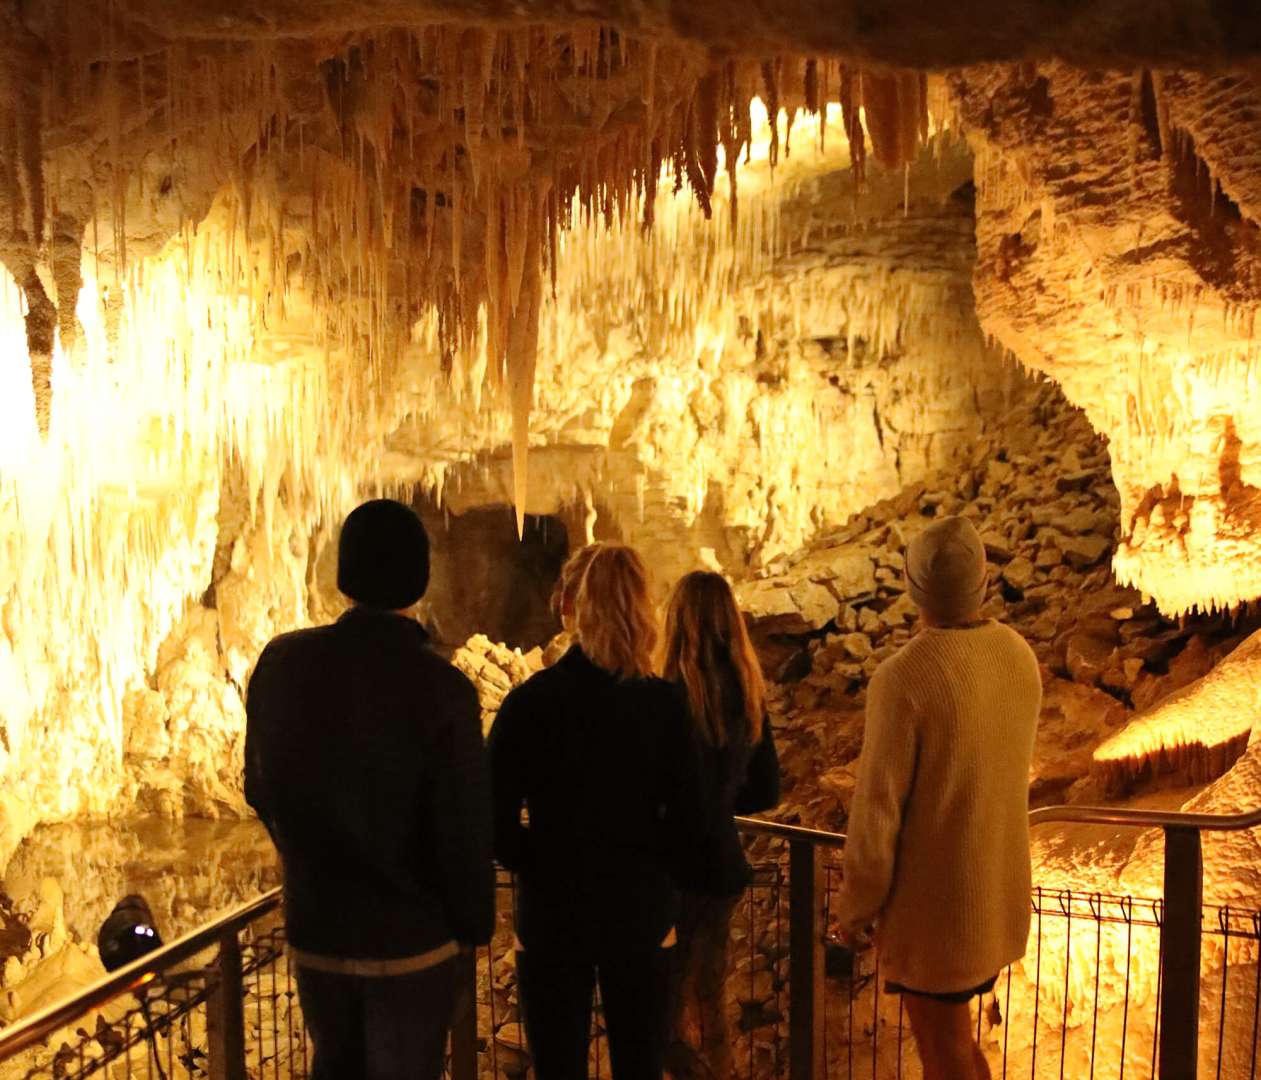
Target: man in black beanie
364,759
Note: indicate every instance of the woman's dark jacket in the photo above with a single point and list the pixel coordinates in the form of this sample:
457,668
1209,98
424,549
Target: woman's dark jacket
739,778
607,769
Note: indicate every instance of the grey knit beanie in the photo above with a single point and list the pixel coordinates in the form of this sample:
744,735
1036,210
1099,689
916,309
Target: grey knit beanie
945,569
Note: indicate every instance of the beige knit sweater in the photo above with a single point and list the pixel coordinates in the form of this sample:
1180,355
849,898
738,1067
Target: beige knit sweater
937,854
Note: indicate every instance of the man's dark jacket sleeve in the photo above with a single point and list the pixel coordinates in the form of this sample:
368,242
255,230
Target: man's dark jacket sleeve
255,785
460,809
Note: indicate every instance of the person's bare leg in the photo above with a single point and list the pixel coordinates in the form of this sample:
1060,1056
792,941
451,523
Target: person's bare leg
982,1066
943,1036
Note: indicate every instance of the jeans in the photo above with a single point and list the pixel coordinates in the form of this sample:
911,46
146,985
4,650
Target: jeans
556,992
378,1028
700,1036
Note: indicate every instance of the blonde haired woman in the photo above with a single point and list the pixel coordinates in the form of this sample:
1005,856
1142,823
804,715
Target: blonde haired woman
565,594
598,751
709,655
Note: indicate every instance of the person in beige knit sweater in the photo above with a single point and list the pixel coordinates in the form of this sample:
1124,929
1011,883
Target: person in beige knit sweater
937,856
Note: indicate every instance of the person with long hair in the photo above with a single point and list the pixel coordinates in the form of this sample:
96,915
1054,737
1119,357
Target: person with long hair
708,654
598,753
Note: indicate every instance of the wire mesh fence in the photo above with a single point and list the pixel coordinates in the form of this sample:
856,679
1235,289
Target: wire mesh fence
157,1031
1083,1003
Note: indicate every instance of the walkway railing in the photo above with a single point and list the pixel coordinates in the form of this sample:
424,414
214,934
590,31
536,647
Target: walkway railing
220,1002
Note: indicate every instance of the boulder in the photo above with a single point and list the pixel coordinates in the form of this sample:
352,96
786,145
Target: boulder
1087,657
1082,552
857,646
1018,573
778,606
997,546
1078,521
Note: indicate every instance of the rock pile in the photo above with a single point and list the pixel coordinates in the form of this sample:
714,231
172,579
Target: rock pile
494,669
1040,494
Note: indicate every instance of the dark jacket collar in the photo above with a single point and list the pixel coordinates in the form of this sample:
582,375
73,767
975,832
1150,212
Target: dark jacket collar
576,660
577,664
361,614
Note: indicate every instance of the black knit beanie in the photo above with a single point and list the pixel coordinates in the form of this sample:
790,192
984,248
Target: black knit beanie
383,555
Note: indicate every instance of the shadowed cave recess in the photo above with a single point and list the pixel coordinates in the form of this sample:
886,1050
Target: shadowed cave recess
754,290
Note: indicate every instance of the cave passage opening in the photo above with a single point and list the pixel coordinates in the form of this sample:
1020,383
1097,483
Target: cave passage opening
483,580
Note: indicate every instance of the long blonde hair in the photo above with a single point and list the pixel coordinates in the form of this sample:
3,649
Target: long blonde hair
566,590
613,612
705,632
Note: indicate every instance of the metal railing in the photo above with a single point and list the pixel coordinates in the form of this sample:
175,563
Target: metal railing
220,1002
1182,917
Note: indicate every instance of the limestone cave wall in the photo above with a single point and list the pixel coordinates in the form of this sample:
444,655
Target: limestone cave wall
181,508
1117,251
718,406
256,267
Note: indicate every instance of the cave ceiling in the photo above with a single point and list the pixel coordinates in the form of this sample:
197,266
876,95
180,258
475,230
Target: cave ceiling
906,33
361,167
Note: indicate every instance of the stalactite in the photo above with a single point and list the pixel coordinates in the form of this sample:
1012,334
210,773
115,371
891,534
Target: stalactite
41,323
523,352
896,109
420,182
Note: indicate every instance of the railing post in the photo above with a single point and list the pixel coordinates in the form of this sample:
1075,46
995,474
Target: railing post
225,1013
805,965
464,1022
1180,949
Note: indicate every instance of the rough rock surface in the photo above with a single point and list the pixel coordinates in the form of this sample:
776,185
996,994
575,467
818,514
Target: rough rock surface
724,415
494,669
1038,491
1118,251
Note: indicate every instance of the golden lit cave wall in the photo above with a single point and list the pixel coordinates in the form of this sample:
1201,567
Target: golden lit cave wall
1131,274
214,446
719,397
189,447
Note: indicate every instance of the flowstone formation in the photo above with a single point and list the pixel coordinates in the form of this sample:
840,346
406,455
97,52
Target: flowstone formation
1118,251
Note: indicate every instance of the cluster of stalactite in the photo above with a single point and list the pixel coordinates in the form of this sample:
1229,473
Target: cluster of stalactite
406,171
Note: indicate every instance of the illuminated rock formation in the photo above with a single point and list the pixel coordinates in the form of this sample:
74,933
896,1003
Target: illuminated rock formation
1196,733
739,397
1118,251
258,264
423,168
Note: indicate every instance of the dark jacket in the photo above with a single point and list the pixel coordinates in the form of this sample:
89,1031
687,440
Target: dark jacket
364,758
608,772
739,778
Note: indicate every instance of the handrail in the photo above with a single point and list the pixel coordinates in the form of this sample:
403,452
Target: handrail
790,832
39,1026
1164,819
1091,815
